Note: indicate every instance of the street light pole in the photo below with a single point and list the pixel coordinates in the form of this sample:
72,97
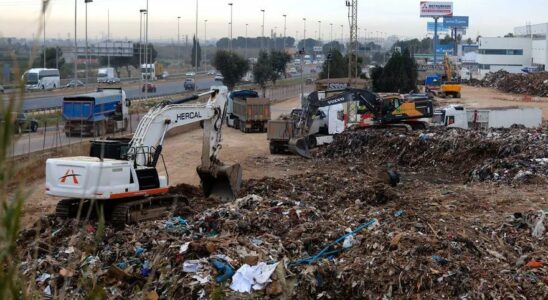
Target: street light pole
179,41
196,48
245,53
304,36
108,36
75,41
147,66
331,35
262,40
342,35
320,31
44,45
87,47
285,29
230,42
205,39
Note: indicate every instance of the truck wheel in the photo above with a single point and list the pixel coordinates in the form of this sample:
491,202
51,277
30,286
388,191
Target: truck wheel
312,141
273,149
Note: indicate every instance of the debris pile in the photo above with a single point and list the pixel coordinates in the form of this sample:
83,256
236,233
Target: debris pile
502,155
337,231
534,84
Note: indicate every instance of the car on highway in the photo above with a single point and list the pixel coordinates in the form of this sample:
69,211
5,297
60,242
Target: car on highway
74,83
211,72
190,74
189,84
219,77
149,87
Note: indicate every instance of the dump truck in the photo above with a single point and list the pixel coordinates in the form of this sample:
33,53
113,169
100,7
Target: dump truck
247,112
96,114
457,116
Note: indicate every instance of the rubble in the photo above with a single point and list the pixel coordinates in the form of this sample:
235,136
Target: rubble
338,230
534,84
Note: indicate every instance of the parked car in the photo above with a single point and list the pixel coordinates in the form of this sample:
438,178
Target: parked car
189,84
219,77
190,74
23,122
149,87
211,72
113,80
165,75
74,83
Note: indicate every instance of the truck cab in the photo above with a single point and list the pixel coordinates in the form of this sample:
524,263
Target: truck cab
454,116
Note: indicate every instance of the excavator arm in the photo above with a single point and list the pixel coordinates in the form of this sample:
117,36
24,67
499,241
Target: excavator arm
218,180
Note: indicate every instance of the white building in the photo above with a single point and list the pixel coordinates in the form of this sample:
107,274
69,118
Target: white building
509,54
528,48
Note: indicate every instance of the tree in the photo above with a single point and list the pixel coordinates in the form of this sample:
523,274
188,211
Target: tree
469,41
278,60
262,71
338,65
54,59
310,43
398,75
509,35
333,45
193,52
232,66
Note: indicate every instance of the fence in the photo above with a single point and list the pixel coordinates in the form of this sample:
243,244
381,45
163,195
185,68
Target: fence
51,136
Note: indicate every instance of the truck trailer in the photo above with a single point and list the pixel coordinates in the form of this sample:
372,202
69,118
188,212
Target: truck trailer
96,114
247,112
457,116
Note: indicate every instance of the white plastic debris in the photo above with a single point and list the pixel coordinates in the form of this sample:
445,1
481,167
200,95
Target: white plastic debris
192,266
538,229
256,277
184,248
43,277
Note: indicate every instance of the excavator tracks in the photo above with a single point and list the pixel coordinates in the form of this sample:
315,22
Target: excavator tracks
119,212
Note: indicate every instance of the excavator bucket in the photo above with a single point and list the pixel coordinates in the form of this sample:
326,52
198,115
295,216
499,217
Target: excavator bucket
299,146
221,182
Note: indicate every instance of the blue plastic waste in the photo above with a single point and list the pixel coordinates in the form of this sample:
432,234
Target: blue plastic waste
224,268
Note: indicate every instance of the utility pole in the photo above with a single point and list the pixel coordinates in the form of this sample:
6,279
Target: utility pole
147,65
75,40
230,42
320,32
342,35
141,11
262,28
285,29
87,47
353,45
331,35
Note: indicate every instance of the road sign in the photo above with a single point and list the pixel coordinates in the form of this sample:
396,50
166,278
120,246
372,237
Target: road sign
441,29
121,49
456,22
434,9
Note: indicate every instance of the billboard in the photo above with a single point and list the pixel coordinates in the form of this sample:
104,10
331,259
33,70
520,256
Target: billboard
441,28
449,48
456,22
436,9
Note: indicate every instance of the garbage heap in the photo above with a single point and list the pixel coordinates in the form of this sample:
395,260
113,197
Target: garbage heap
510,156
534,84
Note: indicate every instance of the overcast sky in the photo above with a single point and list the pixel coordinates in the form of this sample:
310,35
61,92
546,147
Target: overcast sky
21,18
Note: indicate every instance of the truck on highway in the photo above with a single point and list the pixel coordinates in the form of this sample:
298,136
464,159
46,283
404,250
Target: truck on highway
457,116
153,71
107,75
96,114
247,112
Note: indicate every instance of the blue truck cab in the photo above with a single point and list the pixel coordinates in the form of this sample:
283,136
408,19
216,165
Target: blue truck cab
96,114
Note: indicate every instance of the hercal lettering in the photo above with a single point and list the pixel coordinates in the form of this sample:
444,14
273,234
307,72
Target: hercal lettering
188,115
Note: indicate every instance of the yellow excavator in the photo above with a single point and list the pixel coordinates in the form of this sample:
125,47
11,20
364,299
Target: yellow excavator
447,86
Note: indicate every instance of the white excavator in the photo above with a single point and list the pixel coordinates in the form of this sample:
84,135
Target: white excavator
120,176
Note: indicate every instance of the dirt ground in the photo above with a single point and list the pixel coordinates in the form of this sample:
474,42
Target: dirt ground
182,152
182,156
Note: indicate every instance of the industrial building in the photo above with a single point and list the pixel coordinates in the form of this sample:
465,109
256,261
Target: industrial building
527,49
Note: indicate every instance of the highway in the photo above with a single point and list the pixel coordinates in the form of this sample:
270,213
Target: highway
134,91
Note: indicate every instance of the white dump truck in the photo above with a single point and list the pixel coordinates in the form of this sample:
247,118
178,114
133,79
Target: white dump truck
457,116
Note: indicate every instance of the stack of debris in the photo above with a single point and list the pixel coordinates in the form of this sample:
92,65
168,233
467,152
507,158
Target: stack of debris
502,155
534,84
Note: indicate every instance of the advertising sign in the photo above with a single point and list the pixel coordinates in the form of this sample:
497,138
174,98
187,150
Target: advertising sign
456,22
441,28
449,48
436,9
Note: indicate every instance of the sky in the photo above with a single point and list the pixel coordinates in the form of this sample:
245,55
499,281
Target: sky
22,18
